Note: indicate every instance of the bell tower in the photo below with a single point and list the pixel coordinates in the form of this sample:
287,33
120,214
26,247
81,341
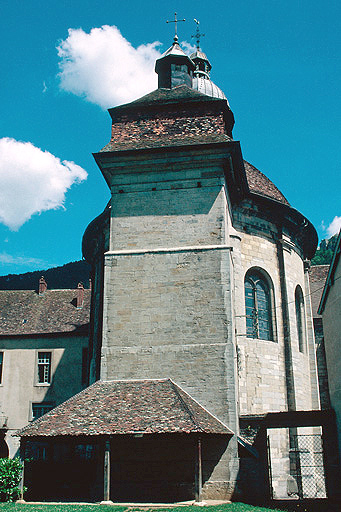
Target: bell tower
174,67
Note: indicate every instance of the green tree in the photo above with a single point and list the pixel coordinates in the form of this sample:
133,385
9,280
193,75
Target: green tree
324,254
10,475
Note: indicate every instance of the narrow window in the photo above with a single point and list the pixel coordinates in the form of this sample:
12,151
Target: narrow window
1,365
85,366
258,307
44,367
300,318
40,408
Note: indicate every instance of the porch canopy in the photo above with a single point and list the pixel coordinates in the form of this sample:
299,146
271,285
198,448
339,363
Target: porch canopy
147,435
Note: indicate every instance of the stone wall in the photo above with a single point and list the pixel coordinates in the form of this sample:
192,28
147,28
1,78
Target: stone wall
262,365
168,290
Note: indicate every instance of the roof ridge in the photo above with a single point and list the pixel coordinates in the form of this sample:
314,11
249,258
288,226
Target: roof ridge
163,94
201,406
132,380
184,405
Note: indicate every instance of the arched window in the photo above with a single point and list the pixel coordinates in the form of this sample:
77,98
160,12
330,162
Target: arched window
300,318
258,306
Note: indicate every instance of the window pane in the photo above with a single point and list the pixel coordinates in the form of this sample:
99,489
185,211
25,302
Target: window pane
251,319
299,306
258,307
38,409
264,314
44,367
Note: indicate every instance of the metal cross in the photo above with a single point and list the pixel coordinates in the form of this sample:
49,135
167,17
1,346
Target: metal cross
175,21
197,35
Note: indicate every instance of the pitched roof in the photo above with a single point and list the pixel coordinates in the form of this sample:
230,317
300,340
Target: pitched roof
260,184
164,141
179,128
317,278
127,407
25,312
164,96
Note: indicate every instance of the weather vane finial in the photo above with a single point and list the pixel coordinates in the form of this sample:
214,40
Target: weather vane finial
175,21
197,34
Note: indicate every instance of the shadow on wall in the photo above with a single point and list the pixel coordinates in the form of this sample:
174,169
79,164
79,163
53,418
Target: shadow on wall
68,376
148,468
172,202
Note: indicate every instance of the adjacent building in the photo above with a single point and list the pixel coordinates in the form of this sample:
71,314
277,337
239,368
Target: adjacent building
43,354
330,309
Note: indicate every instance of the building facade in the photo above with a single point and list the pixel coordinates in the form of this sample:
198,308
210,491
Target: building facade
329,308
43,354
199,278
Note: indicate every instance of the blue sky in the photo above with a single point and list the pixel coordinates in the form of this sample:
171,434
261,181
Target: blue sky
64,63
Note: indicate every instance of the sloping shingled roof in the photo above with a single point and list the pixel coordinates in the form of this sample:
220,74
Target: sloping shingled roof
24,312
157,141
317,278
179,127
166,96
260,184
127,407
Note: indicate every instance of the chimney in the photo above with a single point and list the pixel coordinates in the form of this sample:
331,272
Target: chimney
80,295
42,285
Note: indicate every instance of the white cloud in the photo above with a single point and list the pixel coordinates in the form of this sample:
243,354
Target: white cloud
104,68
32,181
334,227
8,259
188,48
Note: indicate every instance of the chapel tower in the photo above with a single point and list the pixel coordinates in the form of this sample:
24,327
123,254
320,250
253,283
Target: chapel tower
197,261
203,381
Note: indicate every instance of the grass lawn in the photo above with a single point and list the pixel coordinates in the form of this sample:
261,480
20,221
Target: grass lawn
231,507
21,507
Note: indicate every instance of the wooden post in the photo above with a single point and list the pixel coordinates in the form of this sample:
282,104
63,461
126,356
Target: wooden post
198,479
106,475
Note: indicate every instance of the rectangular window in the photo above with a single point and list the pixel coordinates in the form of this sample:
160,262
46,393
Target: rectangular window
40,408
85,451
36,451
1,365
44,367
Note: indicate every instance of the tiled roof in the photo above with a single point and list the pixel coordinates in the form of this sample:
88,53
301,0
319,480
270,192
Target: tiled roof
159,141
161,96
260,184
169,118
164,118
317,278
25,312
127,407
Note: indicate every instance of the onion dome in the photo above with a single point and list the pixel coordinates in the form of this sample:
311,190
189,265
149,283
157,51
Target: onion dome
206,86
201,77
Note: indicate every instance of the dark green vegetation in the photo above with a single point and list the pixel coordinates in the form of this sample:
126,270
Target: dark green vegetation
10,475
325,251
67,276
